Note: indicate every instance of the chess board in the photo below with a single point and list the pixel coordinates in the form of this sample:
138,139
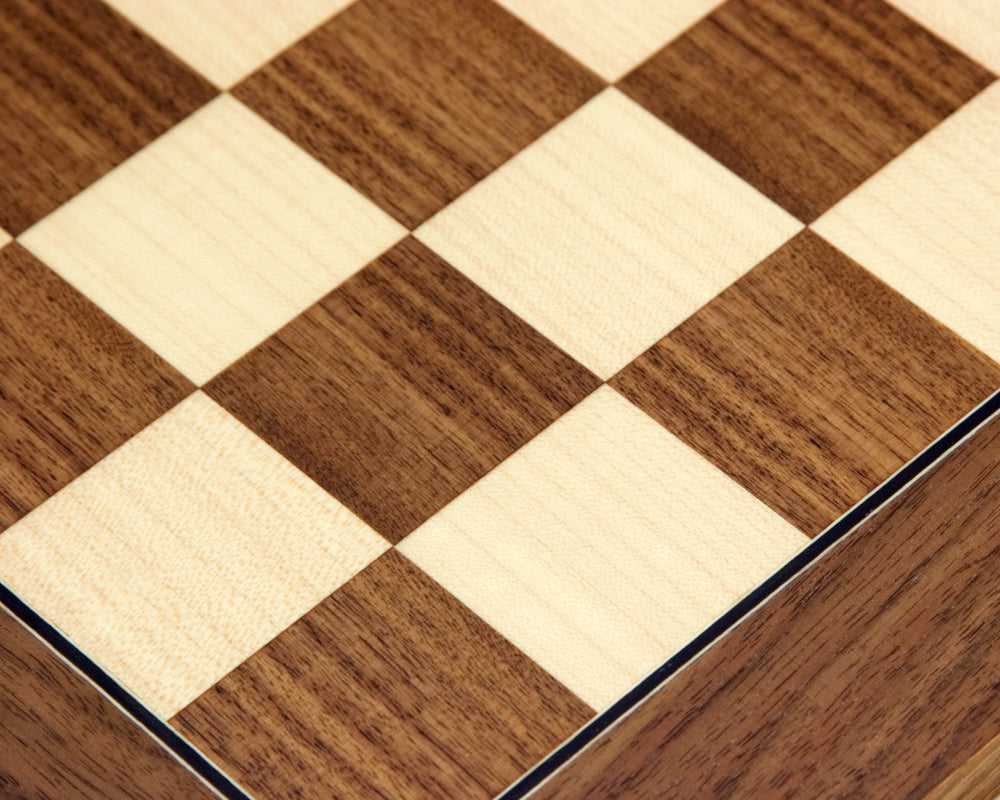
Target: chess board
389,387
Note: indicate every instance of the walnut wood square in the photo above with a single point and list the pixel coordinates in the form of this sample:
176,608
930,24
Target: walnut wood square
74,384
390,688
414,102
402,387
805,98
59,737
81,89
809,381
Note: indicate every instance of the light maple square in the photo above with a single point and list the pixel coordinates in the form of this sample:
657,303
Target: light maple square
928,223
227,39
602,546
212,237
183,552
610,36
608,231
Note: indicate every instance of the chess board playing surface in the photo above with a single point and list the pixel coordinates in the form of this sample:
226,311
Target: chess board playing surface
387,387
870,674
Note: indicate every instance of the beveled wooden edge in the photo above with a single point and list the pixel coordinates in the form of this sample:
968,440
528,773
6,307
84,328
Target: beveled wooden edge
984,767
173,743
977,779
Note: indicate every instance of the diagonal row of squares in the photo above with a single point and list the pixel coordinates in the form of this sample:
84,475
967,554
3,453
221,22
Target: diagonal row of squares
237,387
422,404
413,103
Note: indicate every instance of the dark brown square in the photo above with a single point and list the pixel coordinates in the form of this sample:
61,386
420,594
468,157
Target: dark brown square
805,99
413,102
389,688
81,89
74,384
402,387
809,381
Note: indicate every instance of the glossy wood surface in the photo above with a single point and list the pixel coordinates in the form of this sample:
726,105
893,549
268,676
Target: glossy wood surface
412,103
805,99
402,387
212,237
183,552
74,384
81,89
822,380
977,779
923,223
387,386
873,674
602,546
390,688
61,738
608,231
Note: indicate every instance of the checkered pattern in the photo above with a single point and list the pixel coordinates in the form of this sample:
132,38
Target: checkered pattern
370,301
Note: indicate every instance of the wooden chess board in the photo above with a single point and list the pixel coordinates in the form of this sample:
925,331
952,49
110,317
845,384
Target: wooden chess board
387,387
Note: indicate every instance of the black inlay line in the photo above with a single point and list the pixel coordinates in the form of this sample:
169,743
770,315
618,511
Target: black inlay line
867,507
533,778
172,741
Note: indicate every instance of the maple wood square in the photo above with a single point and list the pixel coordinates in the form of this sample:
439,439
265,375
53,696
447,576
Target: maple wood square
74,384
226,40
183,552
602,546
610,36
805,98
81,89
809,381
212,237
402,387
608,231
389,688
929,223
413,102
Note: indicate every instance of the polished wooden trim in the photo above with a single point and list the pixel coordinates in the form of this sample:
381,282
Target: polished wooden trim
872,674
59,737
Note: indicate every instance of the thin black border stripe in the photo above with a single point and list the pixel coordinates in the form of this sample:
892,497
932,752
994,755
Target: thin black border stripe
145,718
221,783
559,757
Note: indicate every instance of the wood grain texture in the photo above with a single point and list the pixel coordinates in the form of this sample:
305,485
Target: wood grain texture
608,231
610,36
74,384
81,89
971,25
59,737
871,675
227,39
413,102
602,546
929,223
805,99
212,238
809,381
183,552
390,688
402,387
977,779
